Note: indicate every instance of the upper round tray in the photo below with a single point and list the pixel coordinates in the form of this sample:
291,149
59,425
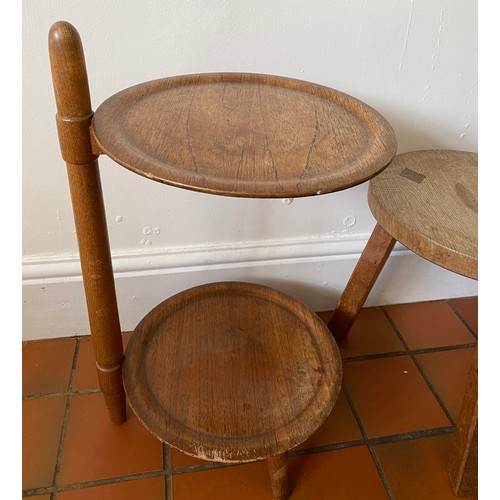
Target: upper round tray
244,135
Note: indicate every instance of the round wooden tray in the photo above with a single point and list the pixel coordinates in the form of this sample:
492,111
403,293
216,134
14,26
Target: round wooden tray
232,372
427,200
244,135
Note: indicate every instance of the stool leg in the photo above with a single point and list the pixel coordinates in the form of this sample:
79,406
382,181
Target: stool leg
74,115
363,278
463,466
278,472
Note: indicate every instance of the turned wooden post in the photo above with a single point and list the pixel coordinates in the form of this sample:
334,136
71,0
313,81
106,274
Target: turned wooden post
74,115
361,282
278,473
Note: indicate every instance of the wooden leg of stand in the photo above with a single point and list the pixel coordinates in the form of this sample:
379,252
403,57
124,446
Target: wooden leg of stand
363,278
278,472
98,280
74,116
463,467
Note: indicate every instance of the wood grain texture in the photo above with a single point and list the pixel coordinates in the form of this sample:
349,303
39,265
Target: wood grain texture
232,372
74,114
244,135
364,276
278,474
463,464
427,200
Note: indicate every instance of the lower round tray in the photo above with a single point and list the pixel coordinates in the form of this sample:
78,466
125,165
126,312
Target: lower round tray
232,372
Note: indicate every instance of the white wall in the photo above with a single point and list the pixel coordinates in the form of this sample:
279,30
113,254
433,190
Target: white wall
415,61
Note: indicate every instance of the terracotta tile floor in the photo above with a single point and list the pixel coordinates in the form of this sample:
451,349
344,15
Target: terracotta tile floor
389,435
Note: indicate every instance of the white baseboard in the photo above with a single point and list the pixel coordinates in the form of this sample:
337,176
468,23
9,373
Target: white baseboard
314,272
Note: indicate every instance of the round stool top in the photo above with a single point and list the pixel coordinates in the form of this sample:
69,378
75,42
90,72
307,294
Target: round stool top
427,200
244,135
232,372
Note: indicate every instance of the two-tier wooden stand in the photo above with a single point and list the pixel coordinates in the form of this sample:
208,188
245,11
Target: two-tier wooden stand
230,372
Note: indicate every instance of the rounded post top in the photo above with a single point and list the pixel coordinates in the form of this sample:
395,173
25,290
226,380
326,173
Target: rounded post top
62,29
69,73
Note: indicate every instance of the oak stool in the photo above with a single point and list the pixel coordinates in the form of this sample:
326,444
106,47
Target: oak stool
230,371
426,200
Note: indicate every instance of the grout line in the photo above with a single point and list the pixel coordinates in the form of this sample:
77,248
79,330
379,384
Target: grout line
443,348
395,328
49,395
378,466
355,413
461,318
109,480
434,391
425,350
367,357
421,370
65,421
62,394
326,447
382,475
409,436
31,492
392,438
